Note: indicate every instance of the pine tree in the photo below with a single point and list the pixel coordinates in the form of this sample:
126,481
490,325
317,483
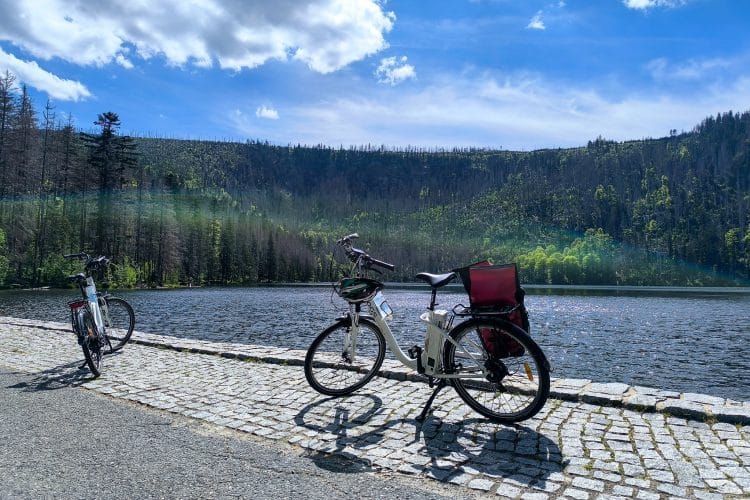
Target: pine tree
7,105
112,157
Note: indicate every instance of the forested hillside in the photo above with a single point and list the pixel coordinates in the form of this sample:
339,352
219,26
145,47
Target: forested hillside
655,211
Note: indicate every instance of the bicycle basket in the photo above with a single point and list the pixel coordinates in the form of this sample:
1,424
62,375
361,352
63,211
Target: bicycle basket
358,289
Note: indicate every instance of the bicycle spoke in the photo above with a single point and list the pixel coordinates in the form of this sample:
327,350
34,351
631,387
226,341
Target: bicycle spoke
338,364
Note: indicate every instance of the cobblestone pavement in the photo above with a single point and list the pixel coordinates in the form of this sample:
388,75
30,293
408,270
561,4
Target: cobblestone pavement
590,441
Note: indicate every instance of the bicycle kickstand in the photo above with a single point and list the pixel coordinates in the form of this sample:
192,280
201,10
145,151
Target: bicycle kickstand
427,407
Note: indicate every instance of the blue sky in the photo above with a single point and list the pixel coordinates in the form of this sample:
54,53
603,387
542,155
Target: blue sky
510,74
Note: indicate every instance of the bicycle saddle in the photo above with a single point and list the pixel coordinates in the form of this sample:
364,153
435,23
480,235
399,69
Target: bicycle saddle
436,280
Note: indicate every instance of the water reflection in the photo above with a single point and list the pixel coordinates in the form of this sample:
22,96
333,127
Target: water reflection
683,342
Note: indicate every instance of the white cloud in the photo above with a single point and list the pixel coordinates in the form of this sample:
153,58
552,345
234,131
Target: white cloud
652,4
267,113
536,22
123,61
662,69
519,113
394,70
31,74
326,35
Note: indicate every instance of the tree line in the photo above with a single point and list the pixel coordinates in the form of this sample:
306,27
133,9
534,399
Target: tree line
656,211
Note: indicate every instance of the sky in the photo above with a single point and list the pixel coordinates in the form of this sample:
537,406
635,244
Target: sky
500,74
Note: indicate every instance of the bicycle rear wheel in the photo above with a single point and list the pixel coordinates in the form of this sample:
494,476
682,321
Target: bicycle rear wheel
90,342
337,363
119,321
503,374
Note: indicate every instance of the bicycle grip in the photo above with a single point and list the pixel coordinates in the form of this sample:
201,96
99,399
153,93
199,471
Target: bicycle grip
382,264
346,238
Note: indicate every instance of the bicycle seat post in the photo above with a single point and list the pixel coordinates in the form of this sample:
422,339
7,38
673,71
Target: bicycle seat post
433,299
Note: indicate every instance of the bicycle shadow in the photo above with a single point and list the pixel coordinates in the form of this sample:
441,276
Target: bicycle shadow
358,429
72,374
339,459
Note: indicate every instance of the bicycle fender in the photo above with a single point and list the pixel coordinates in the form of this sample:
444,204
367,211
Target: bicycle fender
348,317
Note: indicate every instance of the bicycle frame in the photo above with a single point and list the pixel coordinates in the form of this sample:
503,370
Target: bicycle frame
380,318
103,307
435,332
88,290
91,303
89,293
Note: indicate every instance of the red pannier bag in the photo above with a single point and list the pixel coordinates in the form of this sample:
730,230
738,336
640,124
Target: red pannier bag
495,289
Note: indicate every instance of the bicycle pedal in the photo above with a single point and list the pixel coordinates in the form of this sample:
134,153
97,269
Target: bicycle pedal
414,352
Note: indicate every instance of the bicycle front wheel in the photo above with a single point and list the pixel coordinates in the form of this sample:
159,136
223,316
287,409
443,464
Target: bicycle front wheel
119,321
500,371
343,359
90,342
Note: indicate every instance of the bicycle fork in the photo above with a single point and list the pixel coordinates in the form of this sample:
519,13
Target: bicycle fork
349,349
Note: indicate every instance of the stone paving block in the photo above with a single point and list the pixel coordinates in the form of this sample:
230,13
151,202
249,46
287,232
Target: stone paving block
724,486
682,408
600,398
703,399
508,491
534,496
625,491
671,489
647,495
576,494
480,484
732,415
606,476
640,402
705,495
614,389
588,484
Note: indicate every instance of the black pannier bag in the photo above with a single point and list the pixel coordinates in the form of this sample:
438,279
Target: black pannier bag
496,290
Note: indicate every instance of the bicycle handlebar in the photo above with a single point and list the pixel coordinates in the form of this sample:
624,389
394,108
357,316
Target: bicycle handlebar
382,264
355,254
81,255
347,239
100,261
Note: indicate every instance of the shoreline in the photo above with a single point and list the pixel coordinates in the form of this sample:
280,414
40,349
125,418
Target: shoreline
531,289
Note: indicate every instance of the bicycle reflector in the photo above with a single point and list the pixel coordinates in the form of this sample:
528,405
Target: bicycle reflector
358,289
77,304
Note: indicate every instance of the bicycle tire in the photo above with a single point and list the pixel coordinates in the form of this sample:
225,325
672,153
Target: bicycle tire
330,367
119,322
507,388
90,342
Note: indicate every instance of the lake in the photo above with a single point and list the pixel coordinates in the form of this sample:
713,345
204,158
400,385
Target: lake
687,340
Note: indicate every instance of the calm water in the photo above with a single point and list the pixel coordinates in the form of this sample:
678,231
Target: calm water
688,342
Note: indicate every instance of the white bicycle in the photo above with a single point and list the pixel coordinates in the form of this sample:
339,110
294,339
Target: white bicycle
491,362
103,323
